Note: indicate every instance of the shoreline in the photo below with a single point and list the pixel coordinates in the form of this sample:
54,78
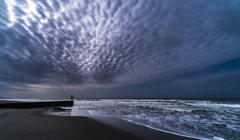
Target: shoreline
39,124
135,128
164,131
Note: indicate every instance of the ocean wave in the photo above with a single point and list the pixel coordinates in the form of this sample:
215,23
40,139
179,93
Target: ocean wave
183,117
214,105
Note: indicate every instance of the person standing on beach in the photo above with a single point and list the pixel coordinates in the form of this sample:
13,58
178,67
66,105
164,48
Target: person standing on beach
71,98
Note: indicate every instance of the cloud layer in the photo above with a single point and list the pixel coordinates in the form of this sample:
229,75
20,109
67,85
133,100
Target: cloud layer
114,42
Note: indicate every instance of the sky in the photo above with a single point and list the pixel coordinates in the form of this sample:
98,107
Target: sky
120,48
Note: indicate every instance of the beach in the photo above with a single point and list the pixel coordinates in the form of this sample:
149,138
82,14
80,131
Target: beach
37,124
171,119
34,124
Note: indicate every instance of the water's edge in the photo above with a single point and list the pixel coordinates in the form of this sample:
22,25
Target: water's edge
135,128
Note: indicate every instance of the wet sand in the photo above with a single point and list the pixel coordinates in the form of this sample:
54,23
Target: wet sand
137,129
33,124
36,124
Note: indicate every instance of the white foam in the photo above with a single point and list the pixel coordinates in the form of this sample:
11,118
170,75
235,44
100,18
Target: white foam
95,114
148,126
214,105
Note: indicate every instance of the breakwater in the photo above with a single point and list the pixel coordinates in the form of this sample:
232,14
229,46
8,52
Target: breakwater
36,104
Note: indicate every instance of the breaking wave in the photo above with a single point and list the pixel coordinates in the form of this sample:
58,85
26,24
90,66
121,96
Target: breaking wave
208,119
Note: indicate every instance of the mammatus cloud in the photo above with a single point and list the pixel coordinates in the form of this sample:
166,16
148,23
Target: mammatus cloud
113,42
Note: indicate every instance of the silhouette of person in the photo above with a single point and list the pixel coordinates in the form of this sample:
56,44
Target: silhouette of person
71,98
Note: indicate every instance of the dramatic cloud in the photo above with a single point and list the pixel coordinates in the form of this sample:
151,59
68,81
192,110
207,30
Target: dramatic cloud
114,42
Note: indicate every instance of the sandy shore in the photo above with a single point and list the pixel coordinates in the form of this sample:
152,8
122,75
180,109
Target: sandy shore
32,124
35,124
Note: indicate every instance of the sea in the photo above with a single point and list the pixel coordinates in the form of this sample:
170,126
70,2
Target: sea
215,119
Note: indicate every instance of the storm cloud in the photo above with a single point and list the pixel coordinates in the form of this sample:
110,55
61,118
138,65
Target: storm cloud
114,42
